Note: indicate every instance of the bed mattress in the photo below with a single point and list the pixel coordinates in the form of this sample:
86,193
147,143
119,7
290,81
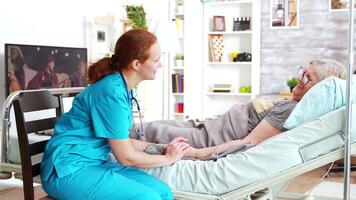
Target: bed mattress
269,158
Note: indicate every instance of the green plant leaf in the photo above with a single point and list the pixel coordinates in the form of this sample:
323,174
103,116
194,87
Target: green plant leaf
292,82
137,16
179,57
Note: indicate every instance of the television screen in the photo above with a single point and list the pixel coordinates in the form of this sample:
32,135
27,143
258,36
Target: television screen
33,67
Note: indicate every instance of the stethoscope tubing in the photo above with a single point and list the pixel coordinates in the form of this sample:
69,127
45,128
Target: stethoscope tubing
141,133
131,99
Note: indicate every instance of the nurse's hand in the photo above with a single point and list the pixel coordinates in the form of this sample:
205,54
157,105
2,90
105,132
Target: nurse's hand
176,149
176,140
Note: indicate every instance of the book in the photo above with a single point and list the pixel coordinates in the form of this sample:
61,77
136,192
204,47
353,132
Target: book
221,88
179,27
177,82
180,83
174,84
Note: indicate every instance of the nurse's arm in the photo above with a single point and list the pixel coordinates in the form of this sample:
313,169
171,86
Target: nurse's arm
127,155
139,145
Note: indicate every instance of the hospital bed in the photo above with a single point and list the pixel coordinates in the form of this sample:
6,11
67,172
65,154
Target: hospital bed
268,166
260,172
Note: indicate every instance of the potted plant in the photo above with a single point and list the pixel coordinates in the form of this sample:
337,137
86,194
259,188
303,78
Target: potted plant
179,60
292,83
136,16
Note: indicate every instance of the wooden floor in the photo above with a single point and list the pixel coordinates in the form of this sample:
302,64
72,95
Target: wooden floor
309,180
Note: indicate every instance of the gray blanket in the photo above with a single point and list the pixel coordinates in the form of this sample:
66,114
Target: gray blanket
232,125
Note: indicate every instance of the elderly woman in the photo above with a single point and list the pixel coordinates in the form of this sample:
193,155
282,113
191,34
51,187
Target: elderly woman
244,125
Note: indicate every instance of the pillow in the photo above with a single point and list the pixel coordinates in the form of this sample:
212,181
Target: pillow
324,97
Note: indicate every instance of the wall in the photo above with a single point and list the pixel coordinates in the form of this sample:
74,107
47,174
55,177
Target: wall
321,33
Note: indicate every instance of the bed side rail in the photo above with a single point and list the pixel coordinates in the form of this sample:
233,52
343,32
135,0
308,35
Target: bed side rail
321,140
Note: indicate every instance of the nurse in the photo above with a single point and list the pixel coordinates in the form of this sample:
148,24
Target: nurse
76,162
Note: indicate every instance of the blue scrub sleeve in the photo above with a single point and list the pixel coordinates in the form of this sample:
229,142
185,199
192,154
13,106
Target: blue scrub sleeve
111,116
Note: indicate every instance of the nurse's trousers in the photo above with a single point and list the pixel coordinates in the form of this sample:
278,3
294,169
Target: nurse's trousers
107,181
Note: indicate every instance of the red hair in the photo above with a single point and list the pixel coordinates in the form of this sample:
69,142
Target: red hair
132,45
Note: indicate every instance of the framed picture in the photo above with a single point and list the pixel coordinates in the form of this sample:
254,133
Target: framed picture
218,23
103,32
216,47
101,36
284,13
339,5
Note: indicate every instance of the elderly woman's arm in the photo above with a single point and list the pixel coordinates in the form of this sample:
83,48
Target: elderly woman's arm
261,132
207,151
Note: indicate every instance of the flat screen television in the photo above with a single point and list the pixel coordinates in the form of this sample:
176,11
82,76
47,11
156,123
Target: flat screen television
34,66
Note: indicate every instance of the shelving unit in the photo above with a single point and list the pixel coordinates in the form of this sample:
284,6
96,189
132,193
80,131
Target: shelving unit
228,94
229,63
176,69
225,70
230,32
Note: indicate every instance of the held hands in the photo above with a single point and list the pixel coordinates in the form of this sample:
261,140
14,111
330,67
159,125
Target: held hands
176,149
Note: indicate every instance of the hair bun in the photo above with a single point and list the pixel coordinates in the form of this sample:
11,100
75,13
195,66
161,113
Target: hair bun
113,58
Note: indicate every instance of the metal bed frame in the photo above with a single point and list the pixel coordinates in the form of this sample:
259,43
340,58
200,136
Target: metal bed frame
7,168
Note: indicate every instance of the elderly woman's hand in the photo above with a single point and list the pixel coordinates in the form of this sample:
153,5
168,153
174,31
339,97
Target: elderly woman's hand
176,149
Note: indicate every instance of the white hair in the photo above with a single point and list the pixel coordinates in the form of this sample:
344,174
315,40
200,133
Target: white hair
328,67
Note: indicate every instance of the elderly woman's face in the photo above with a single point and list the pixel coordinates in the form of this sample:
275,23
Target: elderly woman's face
306,81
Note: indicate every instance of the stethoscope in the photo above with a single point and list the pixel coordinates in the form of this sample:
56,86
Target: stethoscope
131,99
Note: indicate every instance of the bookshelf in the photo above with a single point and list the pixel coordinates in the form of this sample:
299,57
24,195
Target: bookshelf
221,47
176,69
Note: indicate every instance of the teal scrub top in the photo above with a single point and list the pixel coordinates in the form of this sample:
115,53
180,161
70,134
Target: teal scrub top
99,112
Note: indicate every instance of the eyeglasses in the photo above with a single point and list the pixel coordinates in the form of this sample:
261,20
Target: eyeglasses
303,78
